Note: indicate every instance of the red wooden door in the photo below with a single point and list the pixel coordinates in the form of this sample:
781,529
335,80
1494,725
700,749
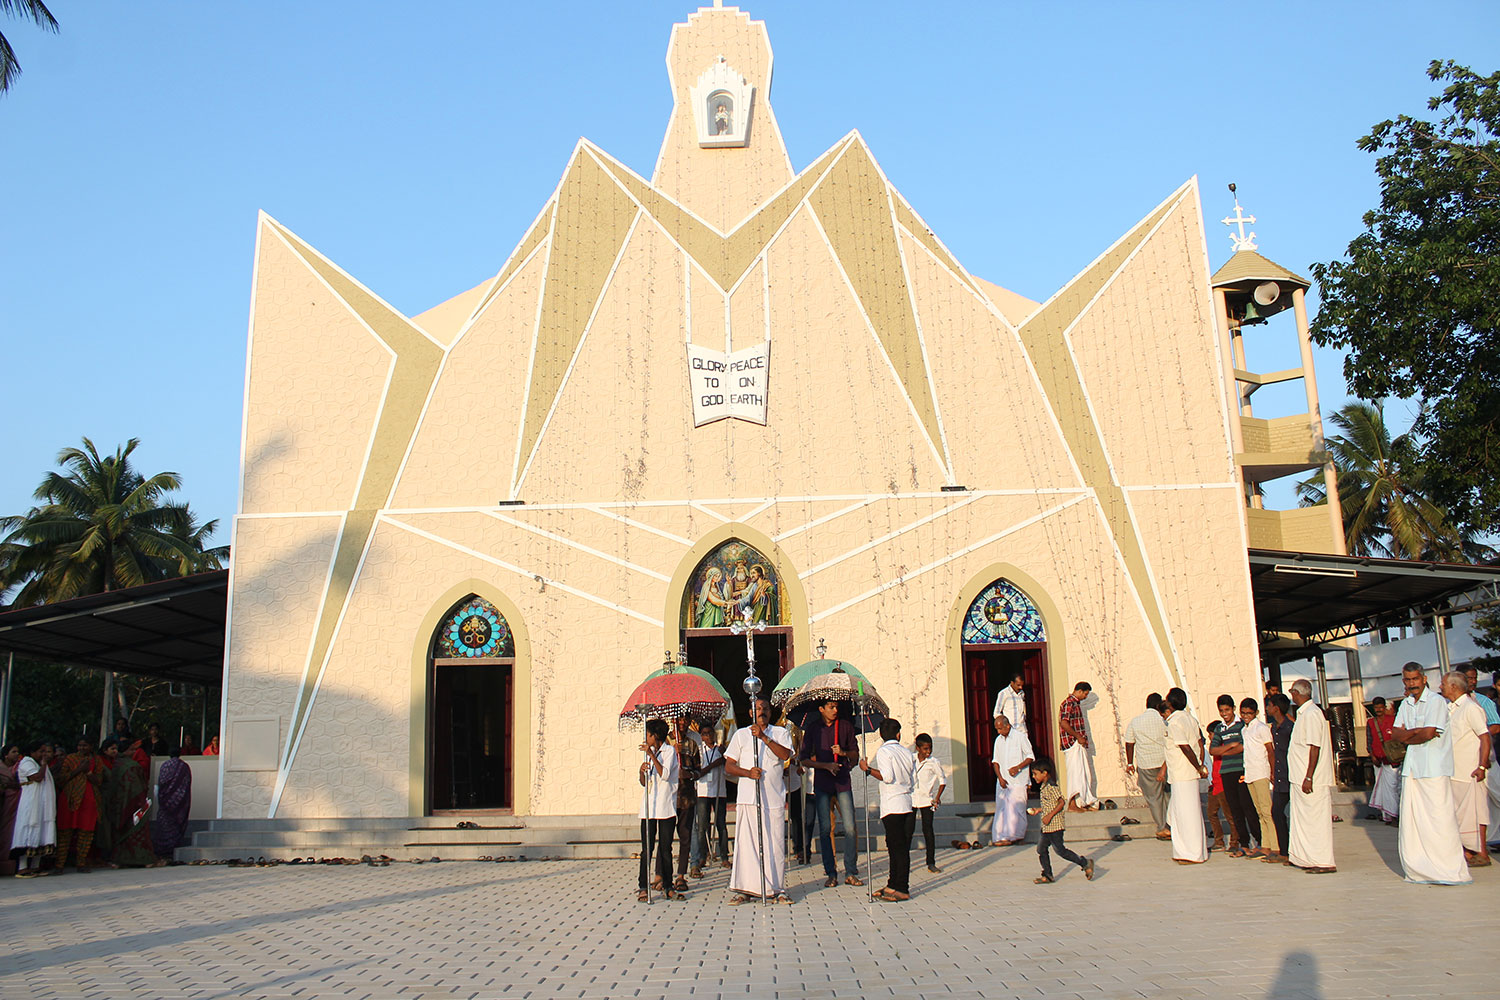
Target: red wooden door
981,734
1039,709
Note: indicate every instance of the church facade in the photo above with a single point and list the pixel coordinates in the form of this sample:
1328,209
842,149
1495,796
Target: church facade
732,390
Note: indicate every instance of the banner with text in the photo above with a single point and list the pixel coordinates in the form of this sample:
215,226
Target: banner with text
729,385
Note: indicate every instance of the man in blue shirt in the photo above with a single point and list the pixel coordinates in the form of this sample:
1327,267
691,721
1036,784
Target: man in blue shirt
1431,850
828,748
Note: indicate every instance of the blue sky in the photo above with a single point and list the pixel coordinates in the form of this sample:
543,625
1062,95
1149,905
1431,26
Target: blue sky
413,143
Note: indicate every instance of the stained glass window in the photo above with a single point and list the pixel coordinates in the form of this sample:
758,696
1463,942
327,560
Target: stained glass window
1001,613
473,629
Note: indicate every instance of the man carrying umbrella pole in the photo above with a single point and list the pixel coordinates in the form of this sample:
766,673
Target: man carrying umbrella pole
760,807
828,748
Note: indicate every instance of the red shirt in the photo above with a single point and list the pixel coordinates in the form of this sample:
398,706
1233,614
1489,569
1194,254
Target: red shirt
1380,731
1071,714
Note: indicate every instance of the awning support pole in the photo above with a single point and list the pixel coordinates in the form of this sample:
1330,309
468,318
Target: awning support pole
7,685
1444,665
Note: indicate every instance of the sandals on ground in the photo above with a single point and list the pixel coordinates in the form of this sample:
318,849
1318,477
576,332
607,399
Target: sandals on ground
782,897
1042,880
830,882
854,880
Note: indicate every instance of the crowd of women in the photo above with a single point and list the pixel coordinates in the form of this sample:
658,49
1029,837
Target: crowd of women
93,805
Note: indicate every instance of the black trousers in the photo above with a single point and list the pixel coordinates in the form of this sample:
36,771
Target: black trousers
685,833
928,837
656,839
1281,800
1054,840
799,830
898,830
1237,802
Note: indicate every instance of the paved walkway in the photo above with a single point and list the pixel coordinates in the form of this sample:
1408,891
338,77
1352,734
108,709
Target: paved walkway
1143,928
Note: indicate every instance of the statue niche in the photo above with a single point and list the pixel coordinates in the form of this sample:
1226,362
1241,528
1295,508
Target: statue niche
721,104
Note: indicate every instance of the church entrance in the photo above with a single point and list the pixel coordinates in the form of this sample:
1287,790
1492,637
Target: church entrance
470,721
736,583
1003,638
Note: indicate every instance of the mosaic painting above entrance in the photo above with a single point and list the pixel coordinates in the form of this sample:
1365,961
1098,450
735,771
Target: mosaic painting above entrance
1000,614
733,579
475,629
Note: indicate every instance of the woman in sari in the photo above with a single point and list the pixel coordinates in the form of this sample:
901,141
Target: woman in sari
174,788
35,834
126,808
104,830
10,797
79,778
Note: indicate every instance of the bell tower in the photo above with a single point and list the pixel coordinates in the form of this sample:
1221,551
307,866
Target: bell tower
1253,296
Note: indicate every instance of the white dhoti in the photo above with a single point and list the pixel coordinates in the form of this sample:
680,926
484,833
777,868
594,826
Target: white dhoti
1010,812
1470,810
1492,789
1185,817
1078,762
1385,797
1310,839
748,837
1430,848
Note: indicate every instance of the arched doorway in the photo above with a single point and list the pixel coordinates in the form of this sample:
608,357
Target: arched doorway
471,699
733,582
1003,637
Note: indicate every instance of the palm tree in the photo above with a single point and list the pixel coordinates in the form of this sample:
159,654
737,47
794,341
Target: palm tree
101,526
38,13
1380,479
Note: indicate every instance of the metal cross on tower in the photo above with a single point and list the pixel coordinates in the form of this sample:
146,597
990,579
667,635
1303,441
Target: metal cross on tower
1238,219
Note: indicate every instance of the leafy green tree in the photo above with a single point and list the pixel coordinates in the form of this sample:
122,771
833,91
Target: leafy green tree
37,13
100,526
1381,490
1417,298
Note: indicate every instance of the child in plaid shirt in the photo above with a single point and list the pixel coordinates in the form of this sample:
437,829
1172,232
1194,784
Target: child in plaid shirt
1053,824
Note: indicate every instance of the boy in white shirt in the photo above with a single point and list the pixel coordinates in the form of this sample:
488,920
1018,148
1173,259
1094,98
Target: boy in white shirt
710,805
928,794
1258,749
895,767
658,808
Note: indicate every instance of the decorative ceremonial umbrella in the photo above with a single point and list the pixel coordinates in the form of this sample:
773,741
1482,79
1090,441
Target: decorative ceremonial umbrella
697,672
857,698
672,694
800,675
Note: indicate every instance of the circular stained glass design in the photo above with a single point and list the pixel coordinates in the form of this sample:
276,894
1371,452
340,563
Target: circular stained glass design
475,629
1002,614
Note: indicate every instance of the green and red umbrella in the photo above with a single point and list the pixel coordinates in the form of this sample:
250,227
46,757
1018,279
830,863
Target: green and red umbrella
676,692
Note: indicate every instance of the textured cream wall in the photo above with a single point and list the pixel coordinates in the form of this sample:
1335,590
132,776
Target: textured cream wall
891,376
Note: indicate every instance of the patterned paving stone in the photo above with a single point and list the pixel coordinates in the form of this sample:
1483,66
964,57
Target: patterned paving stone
1143,928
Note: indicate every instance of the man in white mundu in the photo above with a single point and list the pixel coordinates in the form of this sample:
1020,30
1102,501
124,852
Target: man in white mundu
1471,757
1011,761
1430,848
1077,751
1492,724
1310,770
1184,770
754,756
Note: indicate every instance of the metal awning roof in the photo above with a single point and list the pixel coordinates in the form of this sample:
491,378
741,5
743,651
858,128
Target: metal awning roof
1321,597
172,629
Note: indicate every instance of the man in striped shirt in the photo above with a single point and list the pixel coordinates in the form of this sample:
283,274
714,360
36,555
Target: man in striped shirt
1146,758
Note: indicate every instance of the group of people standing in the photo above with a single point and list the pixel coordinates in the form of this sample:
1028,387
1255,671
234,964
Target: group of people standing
769,766
92,805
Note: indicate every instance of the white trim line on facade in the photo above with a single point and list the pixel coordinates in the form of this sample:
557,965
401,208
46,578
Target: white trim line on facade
510,567
312,639
1162,655
536,326
285,773
1055,509
824,519
875,542
702,508
685,502
588,327
640,525
942,461
554,536
916,318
